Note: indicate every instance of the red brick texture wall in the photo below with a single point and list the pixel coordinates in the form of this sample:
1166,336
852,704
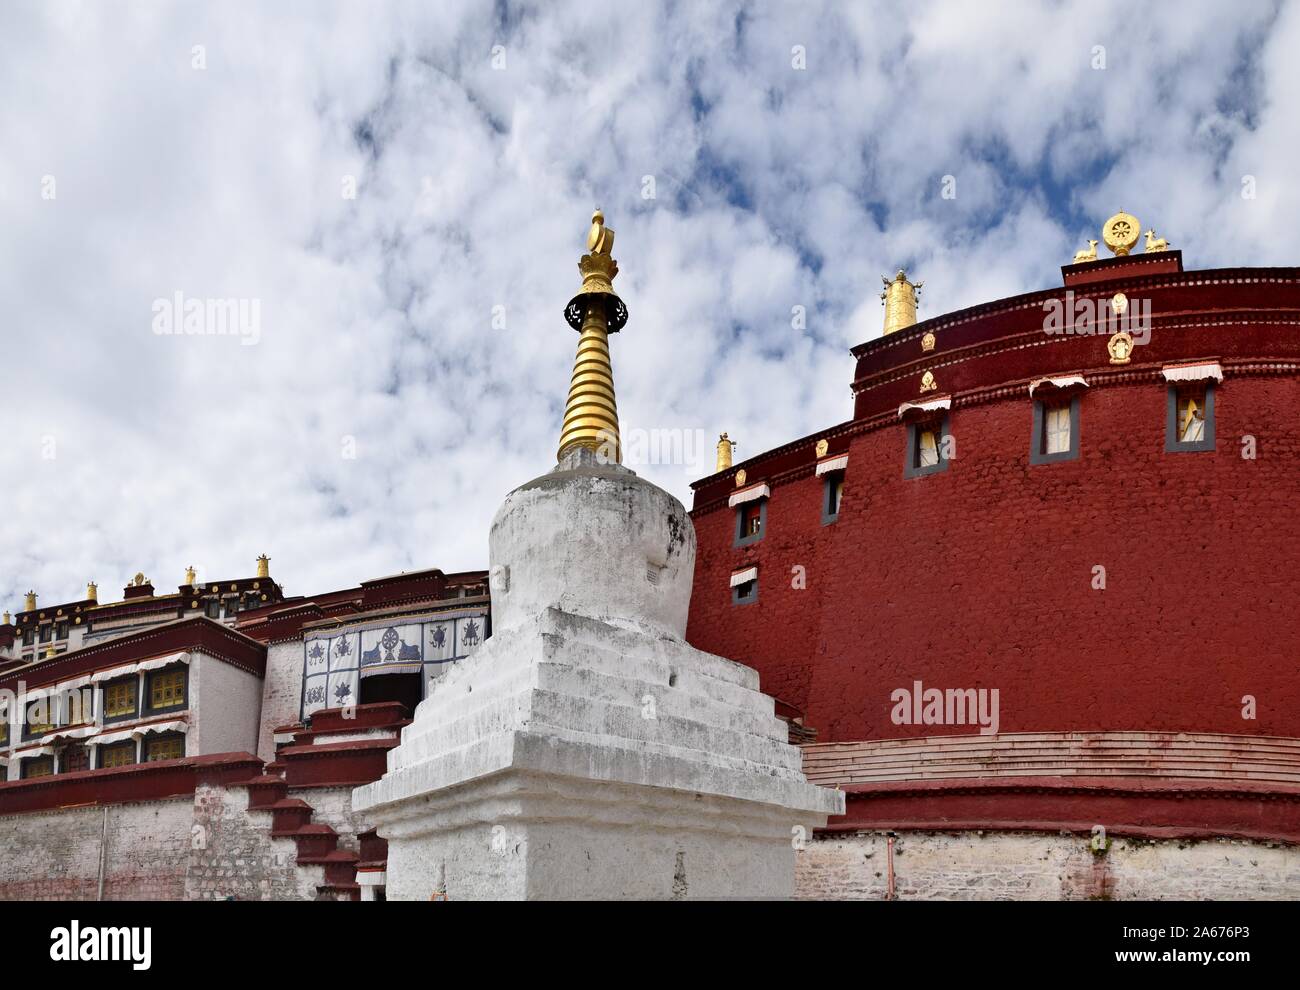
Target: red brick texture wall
981,576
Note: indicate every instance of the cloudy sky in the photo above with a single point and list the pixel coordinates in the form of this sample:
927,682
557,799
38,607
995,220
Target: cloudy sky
403,191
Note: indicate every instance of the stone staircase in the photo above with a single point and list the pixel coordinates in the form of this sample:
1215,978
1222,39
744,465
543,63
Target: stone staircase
341,748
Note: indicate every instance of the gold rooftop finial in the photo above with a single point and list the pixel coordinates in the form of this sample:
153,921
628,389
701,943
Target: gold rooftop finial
30,604
725,447
92,591
591,412
264,566
900,298
190,575
7,619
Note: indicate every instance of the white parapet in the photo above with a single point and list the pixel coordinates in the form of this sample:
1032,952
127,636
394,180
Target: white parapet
586,750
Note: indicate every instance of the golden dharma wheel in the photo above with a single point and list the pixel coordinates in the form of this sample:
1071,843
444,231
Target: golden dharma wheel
1121,233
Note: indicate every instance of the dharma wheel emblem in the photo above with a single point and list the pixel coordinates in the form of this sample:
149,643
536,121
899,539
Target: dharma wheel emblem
1121,232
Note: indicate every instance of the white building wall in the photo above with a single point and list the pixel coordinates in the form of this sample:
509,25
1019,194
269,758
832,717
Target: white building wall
225,705
281,692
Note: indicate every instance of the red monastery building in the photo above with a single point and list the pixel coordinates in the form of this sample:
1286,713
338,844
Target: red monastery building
1046,576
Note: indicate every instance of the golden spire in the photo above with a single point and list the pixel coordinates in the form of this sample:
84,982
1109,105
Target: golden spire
7,620
900,302
591,413
190,575
30,605
725,447
92,591
264,566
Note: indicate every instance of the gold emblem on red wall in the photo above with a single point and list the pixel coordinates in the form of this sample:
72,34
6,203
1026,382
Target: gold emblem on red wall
928,384
822,447
927,342
740,477
1120,347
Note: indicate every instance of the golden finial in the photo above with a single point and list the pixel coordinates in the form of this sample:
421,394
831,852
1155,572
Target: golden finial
30,604
1155,243
7,620
139,579
264,566
591,412
190,575
600,239
92,591
49,651
900,298
725,447
1120,233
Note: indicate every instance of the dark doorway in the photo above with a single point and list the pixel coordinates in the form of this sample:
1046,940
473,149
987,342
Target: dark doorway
405,688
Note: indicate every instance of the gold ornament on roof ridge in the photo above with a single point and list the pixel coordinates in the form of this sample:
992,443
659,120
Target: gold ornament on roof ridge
1155,244
900,300
1084,256
1121,233
591,411
725,447
263,566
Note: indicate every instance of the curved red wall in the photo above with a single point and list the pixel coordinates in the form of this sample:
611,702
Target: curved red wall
980,576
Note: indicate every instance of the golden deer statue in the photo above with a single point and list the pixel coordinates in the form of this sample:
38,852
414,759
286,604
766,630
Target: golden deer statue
1089,255
1155,243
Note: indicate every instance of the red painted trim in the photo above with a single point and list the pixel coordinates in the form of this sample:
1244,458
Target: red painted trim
138,782
1167,808
353,763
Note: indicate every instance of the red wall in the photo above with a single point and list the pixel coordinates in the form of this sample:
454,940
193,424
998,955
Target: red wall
980,576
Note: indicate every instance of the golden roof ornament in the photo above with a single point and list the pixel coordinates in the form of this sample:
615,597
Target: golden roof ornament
725,447
30,604
7,620
1121,233
92,591
263,566
1154,243
900,300
1083,257
591,412
190,576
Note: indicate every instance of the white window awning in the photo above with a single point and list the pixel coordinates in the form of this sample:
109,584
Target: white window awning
1194,372
925,406
748,495
175,725
1064,382
159,662
832,464
108,738
80,732
34,751
112,673
740,577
